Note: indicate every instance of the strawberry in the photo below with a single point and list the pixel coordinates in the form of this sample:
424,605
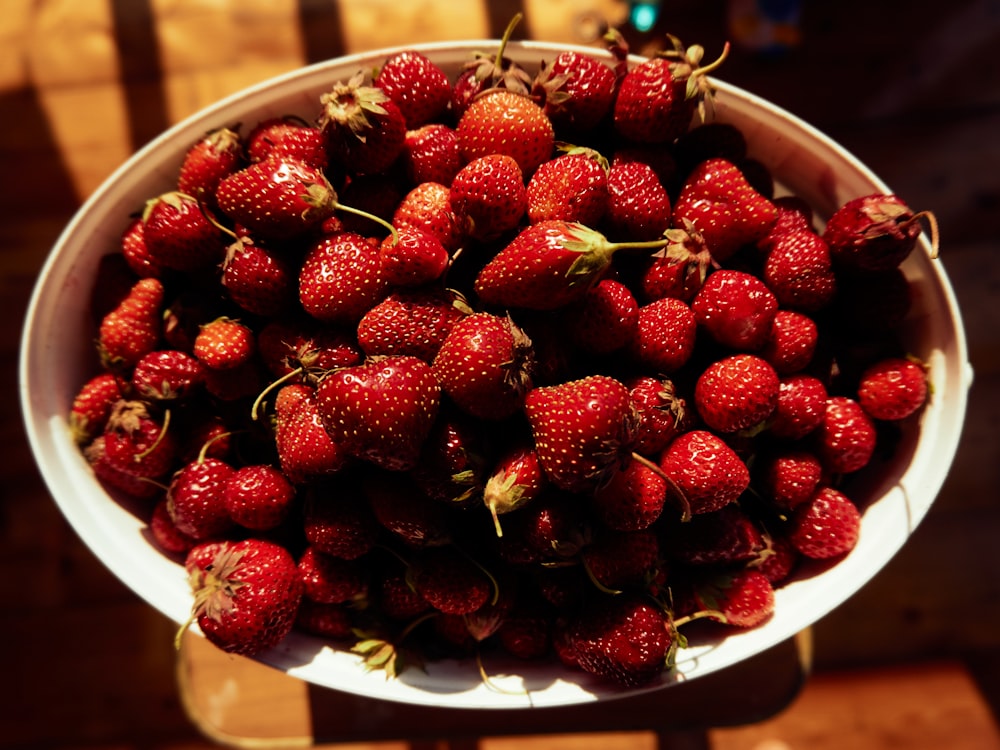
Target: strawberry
573,187
207,434
246,593
485,365
178,233
450,581
224,344
576,91
133,328
489,71
165,533
503,122
582,430
338,521
846,436
111,474
624,639
417,85
801,405
792,343
736,309
331,580
789,476
167,375
428,207
679,269
307,346
657,158
258,497
409,516
92,406
516,480
548,265
411,322
364,128
413,258
605,319
341,279
704,470
778,560
136,254
216,155
431,154
743,599
488,197
554,527
526,631
138,441
452,466
737,392
305,449
638,205
893,388
632,499
662,413
728,536
622,559
396,598
258,279
665,335
717,200
875,232
382,410
826,525
799,272
286,137
196,498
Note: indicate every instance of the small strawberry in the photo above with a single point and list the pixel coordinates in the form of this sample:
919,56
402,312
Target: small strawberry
338,521
258,279
485,365
136,254
167,375
707,472
736,309
488,197
246,593
286,137
875,232
364,128
450,581
417,85
331,580
431,154
503,122
382,410
428,207
573,187
893,388
638,205
413,258
792,344
305,449
224,344
799,272
743,599
801,405
826,525
717,200
92,406
112,476
341,279
632,499
133,328
576,91
662,413
679,269
737,392
411,322
179,234
258,497
213,157
665,335
846,436
165,533
583,430
196,498
516,480
138,441
789,476
605,319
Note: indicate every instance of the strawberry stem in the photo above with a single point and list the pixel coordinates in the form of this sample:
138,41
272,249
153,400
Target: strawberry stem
377,219
677,491
498,62
255,409
932,225
159,438
714,65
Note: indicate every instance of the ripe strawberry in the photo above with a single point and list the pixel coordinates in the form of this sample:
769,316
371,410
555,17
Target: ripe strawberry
257,278
165,533
488,197
875,233
728,536
485,365
553,527
206,434
516,480
583,430
305,449
179,235
798,271
411,322
743,599
573,187
381,411
576,91
605,319
789,476
417,85
196,498
638,204
224,344
167,375
331,580
413,258
338,521
792,344
665,335
409,516
133,328
246,593
431,154
737,392
216,155
138,442
428,206
622,638
136,254
846,436
893,388
341,279
679,269
661,412
632,499
801,405
450,581
307,346
92,406
826,525
717,200
113,477
286,137
258,497
364,128
778,559
794,215
620,560
736,309
503,122
707,473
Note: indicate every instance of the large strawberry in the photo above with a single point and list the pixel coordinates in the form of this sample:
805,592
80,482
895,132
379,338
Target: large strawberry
305,449
799,272
246,593
736,309
196,501
737,392
178,233
638,206
341,278
381,411
415,322
257,278
431,154
743,599
576,91
133,329
875,232
428,207
893,388
571,187
488,197
216,155
502,122
417,85
708,473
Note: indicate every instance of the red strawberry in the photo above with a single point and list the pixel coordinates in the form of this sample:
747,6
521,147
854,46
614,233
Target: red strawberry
826,525
92,406
246,593
338,521
216,155
331,580
451,468
305,449
790,476
139,442
396,598
622,638
893,388
632,499
450,581
364,128
736,393
112,476
287,137
736,309
306,345
606,318
206,434
679,269
707,472
196,499
428,206
638,204
875,233
583,430
728,536
718,201
488,197
661,412
517,479
778,559
166,375
623,559
489,71
431,154
165,533
409,516
258,279
133,328
743,599
553,527
341,279
485,365
417,85
794,215
224,344
136,254
571,187
413,258
665,335
846,436
382,410
801,405
798,271
792,344
258,497
179,235
576,91
503,122
411,322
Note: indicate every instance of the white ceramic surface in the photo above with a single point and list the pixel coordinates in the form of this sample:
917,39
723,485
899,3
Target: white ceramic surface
56,350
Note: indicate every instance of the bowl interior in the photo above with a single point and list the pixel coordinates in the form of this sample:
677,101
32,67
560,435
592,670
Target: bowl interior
57,356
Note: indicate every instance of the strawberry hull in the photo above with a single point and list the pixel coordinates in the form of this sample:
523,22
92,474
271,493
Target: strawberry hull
57,357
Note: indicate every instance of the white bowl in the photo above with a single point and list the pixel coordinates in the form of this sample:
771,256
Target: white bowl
57,350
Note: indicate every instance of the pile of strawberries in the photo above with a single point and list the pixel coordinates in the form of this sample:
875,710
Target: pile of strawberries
532,364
